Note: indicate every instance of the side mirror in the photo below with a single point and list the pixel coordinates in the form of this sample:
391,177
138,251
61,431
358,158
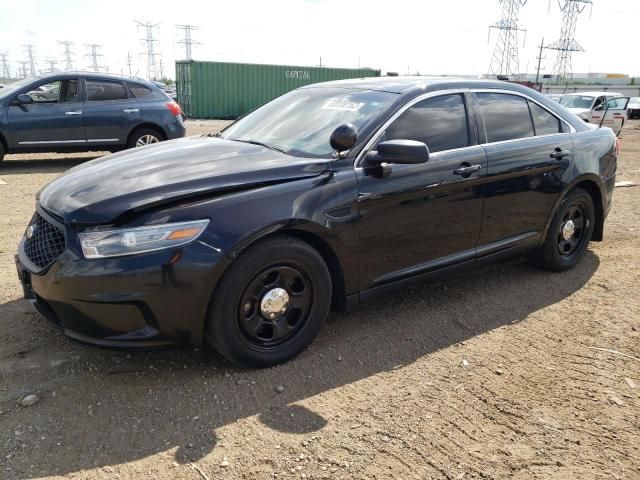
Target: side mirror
399,151
344,137
377,163
24,99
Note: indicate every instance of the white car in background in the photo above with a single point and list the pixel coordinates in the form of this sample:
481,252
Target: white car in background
605,109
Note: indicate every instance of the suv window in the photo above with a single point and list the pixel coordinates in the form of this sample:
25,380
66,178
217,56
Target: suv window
139,90
101,90
61,91
543,121
440,122
506,117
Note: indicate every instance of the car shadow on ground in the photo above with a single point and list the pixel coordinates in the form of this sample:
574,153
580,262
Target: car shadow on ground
101,408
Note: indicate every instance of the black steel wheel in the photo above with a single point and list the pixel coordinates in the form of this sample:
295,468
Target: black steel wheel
274,305
569,233
270,304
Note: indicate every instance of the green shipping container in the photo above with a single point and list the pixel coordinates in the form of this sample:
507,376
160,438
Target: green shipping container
229,90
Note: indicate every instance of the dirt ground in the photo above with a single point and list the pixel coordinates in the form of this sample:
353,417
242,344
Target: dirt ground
506,372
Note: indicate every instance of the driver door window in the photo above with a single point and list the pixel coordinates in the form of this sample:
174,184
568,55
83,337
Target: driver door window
439,122
61,91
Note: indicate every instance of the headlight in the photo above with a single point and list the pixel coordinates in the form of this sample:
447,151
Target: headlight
128,241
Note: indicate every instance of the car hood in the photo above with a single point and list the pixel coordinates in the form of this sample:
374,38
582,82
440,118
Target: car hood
101,190
579,111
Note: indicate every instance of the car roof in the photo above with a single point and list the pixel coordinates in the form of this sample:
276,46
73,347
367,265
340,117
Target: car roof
401,85
104,75
595,94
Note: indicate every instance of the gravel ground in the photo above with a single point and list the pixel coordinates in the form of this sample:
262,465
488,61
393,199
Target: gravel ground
506,372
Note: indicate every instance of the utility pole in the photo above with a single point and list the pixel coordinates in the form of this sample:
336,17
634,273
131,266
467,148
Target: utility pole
6,74
30,59
566,45
187,41
93,55
505,59
149,42
161,71
52,65
68,63
23,68
129,62
540,58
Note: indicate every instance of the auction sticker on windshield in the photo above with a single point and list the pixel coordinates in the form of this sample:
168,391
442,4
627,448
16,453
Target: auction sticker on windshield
343,104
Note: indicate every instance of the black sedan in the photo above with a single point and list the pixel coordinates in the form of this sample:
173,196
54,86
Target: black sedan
328,195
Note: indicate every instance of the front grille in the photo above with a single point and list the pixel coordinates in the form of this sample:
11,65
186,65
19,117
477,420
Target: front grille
46,243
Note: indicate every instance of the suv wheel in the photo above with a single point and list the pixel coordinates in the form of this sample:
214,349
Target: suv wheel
569,233
144,136
270,304
1,152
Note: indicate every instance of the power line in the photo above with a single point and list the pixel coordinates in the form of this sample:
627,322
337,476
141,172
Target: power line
505,59
68,62
93,55
149,42
31,59
187,42
567,44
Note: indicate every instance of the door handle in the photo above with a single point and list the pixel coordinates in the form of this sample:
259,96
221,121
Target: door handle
465,169
131,110
559,154
73,113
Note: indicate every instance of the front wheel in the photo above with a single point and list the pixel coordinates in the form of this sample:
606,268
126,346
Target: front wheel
270,304
569,233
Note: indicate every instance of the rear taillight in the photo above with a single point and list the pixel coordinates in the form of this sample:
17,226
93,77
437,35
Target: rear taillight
174,108
617,147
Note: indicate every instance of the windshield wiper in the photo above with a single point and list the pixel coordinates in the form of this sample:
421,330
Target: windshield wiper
255,142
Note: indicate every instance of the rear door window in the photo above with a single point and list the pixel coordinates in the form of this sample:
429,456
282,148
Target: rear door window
103,90
506,117
543,121
139,90
439,122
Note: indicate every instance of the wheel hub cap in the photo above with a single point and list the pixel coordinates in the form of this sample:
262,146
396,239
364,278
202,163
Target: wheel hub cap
274,303
568,230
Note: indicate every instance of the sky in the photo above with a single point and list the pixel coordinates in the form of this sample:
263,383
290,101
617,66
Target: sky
417,36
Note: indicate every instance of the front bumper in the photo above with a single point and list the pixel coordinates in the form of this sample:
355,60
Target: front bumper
150,300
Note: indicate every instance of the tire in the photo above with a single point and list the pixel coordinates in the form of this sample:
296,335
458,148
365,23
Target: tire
563,249
1,152
248,330
144,136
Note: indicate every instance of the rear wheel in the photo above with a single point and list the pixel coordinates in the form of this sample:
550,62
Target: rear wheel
144,136
569,233
1,152
270,304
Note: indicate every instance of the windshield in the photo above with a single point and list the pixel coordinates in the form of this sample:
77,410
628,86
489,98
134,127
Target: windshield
576,101
13,87
301,122
634,102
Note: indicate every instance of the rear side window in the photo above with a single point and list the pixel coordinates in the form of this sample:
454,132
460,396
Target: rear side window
139,90
543,121
506,117
102,90
440,122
